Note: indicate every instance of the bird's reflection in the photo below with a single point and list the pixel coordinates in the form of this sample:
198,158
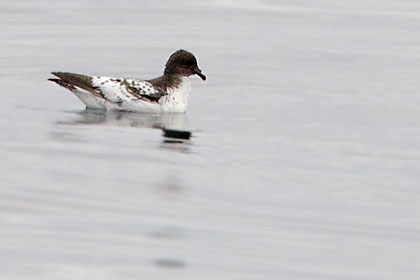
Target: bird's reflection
176,140
119,118
176,135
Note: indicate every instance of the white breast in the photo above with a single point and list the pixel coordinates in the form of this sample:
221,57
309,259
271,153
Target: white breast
177,98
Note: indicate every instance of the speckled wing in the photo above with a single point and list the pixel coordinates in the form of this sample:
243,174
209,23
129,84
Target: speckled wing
129,90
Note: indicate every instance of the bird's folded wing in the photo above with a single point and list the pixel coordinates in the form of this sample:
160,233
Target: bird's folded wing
119,90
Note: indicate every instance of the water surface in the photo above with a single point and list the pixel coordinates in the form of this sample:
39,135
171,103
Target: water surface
304,158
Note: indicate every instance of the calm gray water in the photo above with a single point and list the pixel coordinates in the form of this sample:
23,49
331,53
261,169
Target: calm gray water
304,161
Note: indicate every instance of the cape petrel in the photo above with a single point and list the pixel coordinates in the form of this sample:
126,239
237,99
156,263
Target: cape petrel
167,93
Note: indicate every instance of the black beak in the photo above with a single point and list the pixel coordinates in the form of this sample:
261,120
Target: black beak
198,72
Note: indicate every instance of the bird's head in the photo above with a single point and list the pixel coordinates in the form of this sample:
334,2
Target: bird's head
183,63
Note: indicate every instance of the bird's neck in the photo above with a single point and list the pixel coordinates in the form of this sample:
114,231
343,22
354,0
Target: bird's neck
167,81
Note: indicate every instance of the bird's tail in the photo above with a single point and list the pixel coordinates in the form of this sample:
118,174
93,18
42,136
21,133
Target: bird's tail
82,87
63,84
71,81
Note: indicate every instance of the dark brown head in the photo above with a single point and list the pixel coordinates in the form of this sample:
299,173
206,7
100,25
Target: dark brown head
183,63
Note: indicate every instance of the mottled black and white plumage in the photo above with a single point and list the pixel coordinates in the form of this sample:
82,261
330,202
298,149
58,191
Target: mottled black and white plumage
168,93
